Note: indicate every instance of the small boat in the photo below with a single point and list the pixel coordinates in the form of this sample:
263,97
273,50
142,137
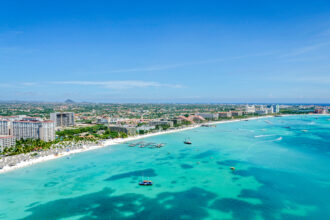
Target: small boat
187,141
232,168
132,145
160,145
145,183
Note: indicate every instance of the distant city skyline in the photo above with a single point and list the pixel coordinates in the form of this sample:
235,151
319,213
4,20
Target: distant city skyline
165,51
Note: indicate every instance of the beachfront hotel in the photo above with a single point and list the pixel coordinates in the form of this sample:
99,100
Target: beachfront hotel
250,109
236,113
63,119
124,129
276,108
224,114
6,141
209,116
43,130
4,127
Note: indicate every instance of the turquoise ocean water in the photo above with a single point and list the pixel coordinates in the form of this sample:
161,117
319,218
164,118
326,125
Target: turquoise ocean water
282,172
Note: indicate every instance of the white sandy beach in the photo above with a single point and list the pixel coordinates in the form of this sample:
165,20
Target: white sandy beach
110,142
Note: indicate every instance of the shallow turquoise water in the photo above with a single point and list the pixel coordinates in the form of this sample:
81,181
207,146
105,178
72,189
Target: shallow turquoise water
282,172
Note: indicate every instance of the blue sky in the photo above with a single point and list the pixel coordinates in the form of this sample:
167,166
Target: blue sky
165,51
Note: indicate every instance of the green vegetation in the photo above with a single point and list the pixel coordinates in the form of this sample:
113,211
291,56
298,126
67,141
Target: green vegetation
295,111
95,132
28,145
163,127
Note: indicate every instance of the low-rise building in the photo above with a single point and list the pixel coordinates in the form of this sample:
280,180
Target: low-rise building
196,118
225,114
262,112
236,113
209,116
250,109
103,121
321,111
6,141
125,129
145,128
161,122
176,121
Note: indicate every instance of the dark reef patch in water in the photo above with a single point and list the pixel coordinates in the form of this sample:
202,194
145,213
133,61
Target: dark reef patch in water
50,184
244,173
275,192
182,155
136,173
229,162
33,204
164,163
207,153
186,166
165,158
189,204
82,168
240,209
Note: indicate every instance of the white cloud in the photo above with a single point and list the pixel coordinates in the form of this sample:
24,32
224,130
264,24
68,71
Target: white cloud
6,85
304,50
29,83
183,64
118,84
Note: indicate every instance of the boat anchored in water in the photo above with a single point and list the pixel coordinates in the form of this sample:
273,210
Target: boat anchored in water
145,182
187,141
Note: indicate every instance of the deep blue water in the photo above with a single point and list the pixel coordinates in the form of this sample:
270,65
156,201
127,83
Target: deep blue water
282,172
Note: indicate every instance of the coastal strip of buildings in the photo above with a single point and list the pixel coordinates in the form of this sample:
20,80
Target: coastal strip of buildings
19,127
22,127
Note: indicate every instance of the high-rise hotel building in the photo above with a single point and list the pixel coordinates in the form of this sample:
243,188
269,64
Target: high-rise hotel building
63,119
4,127
6,141
43,130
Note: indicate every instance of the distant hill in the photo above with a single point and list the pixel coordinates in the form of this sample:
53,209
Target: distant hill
69,101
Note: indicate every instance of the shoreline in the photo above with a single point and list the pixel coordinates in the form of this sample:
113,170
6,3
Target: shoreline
110,142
